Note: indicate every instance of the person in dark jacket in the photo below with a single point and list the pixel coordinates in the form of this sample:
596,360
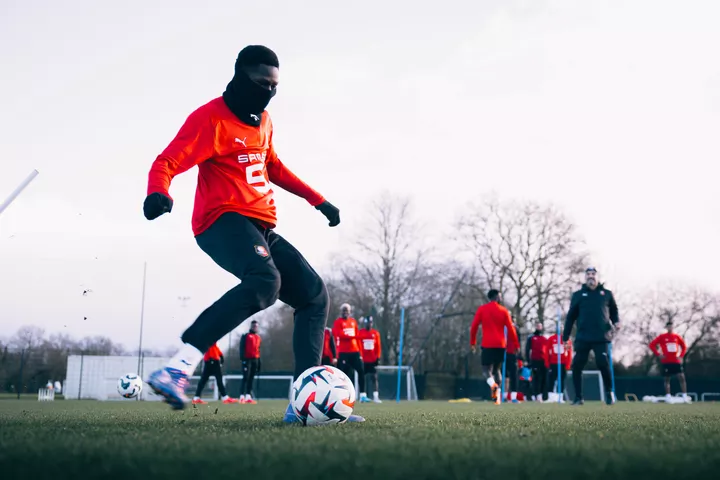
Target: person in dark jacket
595,312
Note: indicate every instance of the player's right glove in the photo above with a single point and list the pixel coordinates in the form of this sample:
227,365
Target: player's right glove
156,204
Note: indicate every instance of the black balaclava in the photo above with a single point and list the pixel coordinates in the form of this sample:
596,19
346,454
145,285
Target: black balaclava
245,98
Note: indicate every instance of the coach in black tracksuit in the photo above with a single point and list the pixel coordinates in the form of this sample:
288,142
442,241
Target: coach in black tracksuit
594,309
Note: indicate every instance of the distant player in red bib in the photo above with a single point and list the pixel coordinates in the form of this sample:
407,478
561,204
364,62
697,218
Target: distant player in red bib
671,349
329,356
250,356
213,360
493,318
347,340
555,345
536,352
371,351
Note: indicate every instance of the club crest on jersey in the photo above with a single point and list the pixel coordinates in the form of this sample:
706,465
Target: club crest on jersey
262,251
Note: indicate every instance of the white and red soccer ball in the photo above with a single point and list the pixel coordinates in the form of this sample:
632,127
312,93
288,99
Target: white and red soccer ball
323,395
129,386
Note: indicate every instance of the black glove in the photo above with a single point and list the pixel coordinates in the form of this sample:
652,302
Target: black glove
156,204
331,212
222,359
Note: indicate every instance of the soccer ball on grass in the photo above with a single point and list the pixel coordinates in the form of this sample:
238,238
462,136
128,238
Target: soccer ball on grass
322,396
130,385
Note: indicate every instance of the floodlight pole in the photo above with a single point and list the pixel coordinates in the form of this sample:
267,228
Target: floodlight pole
18,190
142,317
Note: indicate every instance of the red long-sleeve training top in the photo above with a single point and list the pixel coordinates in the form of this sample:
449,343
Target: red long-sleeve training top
236,164
371,348
493,317
551,352
672,348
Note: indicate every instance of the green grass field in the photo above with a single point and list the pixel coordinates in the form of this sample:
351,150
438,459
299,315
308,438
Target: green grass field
87,439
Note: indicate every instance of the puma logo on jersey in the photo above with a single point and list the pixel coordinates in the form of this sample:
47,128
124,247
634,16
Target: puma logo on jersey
237,140
254,117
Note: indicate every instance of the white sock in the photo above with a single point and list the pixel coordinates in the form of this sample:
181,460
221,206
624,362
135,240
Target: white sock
225,397
196,398
186,360
513,396
363,395
684,395
491,381
376,395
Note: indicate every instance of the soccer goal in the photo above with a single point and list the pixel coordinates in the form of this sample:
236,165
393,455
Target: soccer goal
593,388
388,384
265,387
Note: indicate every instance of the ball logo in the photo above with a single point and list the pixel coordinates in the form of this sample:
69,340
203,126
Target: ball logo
262,251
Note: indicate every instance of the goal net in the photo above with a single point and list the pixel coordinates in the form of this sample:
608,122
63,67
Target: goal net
388,383
96,376
267,387
593,388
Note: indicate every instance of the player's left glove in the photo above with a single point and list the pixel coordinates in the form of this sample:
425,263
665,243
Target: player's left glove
331,212
157,204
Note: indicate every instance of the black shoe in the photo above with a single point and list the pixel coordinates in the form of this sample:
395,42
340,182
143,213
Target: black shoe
578,401
610,398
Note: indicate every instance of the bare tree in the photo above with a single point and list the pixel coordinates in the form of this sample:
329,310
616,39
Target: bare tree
383,270
529,251
693,312
28,338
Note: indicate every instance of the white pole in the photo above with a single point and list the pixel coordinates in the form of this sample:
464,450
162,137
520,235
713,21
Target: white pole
18,190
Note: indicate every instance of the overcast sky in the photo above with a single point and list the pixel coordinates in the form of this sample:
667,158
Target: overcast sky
610,109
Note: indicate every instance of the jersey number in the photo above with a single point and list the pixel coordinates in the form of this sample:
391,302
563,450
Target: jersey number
255,177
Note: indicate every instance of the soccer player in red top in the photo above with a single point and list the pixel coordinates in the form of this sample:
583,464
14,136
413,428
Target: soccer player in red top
230,139
345,331
671,349
371,351
555,345
250,356
213,360
494,318
329,356
535,352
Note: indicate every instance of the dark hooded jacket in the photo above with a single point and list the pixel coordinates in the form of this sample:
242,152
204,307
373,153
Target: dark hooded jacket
595,313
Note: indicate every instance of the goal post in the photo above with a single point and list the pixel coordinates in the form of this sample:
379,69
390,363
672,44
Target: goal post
387,383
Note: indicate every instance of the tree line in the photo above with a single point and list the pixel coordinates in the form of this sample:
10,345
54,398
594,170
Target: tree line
532,252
